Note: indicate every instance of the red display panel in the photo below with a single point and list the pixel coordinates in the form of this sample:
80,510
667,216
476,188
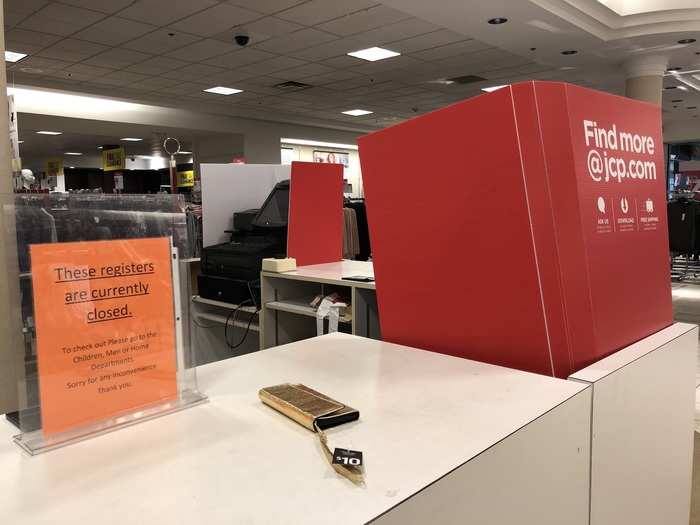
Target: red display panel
531,232
315,232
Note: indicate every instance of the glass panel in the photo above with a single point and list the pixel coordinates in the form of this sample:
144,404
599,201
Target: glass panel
61,218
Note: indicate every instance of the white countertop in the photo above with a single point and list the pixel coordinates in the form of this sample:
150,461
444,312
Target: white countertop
332,273
236,461
621,358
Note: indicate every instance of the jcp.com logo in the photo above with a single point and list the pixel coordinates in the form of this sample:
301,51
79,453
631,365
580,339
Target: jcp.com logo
606,167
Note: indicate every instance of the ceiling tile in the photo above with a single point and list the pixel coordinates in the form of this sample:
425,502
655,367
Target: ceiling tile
398,31
335,48
295,41
164,11
86,69
240,57
113,31
200,71
39,63
203,50
152,84
161,41
333,76
28,42
117,58
449,50
23,8
215,20
67,75
120,78
156,66
302,72
318,11
364,20
104,6
426,41
72,50
268,66
266,6
60,19
181,88
270,26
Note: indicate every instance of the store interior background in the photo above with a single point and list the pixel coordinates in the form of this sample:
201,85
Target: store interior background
99,71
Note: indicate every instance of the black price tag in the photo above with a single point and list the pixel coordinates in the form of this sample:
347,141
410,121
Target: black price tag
347,458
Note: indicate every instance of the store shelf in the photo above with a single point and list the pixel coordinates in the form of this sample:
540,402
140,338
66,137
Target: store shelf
221,319
221,304
297,306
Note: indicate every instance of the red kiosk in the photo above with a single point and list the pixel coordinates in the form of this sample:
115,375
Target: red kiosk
532,224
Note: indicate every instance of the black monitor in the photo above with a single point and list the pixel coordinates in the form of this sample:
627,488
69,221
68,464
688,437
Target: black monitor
274,212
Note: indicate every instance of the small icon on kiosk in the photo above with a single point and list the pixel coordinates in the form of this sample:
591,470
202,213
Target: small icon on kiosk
624,205
601,204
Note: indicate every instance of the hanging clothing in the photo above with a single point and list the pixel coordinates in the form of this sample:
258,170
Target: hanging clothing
351,239
362,228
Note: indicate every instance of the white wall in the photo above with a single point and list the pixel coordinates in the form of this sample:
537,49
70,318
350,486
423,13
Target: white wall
352,174
261,138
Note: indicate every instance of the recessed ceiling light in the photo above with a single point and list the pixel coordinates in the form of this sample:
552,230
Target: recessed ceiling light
497,21
73,153
20,142
372,54
442,81
566,68
72,167
223,90
687,41
14,56
569,52
493,88
357,112
49,132
131,139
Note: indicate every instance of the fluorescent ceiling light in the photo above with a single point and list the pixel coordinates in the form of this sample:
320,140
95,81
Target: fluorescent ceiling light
73,153
184,153
373,54
357,112
493,88
49,133
13,56
222,90
20,142
304,142
130,139
442,81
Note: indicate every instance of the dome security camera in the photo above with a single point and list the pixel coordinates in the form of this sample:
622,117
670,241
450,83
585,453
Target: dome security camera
242,40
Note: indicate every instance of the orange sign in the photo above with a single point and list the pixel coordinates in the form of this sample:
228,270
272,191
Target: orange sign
105,329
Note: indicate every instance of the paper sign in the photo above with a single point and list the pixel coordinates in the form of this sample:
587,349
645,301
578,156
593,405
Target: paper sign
185,179
54,167
105,329
113,159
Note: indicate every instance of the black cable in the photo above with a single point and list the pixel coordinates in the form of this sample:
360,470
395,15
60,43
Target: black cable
245,334
234,314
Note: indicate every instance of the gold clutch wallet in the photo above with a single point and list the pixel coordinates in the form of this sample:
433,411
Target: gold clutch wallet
315,411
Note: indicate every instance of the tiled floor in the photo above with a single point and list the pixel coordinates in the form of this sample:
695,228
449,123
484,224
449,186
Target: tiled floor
686,308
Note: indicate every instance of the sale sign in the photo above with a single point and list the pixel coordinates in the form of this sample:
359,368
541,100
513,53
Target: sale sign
105,329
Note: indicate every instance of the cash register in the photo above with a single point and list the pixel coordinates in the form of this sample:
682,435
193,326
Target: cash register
231,271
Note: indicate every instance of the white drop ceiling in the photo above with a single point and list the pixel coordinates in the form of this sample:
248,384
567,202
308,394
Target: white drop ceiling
168,51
